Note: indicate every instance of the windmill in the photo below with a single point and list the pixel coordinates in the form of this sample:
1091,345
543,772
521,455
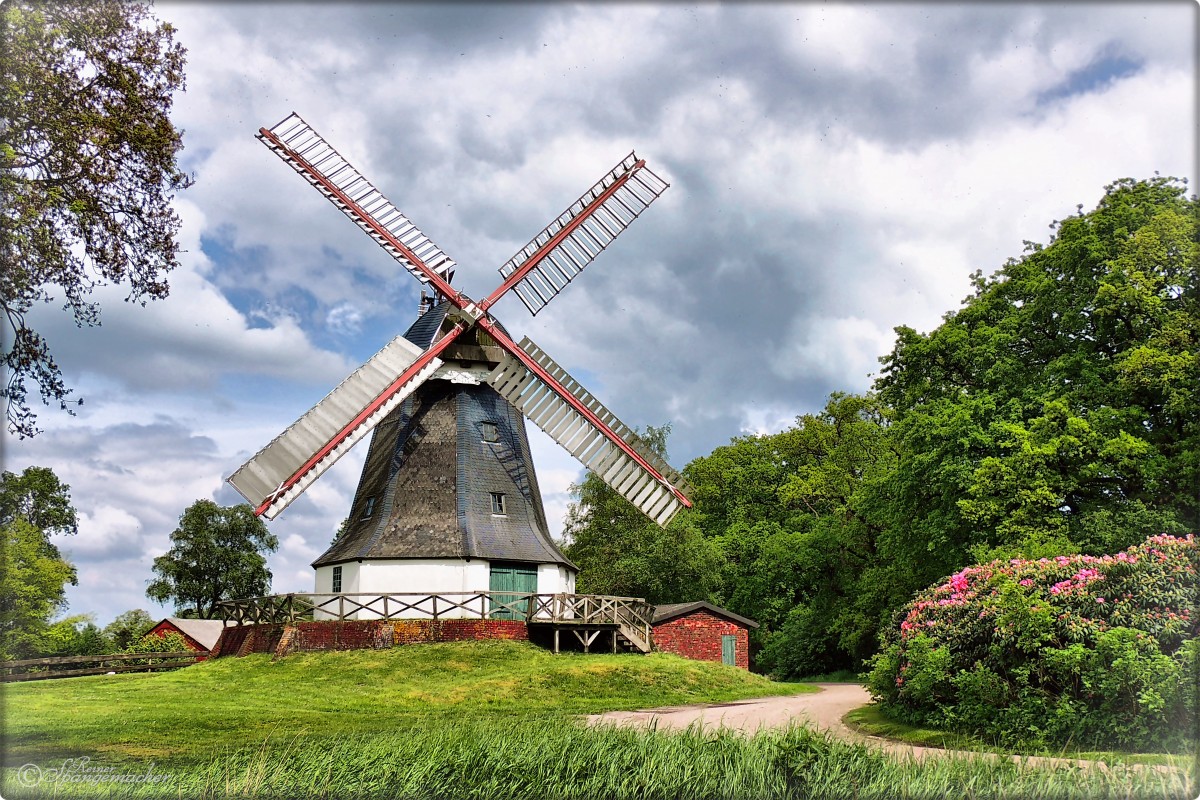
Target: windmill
448,499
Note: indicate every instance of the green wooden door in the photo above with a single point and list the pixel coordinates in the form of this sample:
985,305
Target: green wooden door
729,650
510,581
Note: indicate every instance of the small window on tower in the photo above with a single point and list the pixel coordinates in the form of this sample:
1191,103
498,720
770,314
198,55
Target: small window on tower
490,432
370,509
498,507
337,580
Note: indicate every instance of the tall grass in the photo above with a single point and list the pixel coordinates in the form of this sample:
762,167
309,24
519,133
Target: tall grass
490,758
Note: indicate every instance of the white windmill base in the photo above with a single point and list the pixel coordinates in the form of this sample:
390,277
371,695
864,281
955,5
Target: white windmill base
449,577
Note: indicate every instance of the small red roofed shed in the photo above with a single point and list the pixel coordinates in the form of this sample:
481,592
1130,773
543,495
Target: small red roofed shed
703,632
200,635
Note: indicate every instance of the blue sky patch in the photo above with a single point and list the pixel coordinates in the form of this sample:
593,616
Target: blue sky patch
1099,74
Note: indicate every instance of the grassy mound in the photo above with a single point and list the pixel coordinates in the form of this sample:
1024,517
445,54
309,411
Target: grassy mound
243,701
464,720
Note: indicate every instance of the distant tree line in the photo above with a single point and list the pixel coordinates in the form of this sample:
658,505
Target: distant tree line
1054,413
217,553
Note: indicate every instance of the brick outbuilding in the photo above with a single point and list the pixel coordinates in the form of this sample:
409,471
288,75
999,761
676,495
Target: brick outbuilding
200,635
704,632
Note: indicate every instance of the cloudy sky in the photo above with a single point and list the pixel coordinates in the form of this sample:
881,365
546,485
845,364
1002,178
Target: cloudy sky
835,170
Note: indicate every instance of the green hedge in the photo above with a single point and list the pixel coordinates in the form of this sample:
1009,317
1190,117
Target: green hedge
1091,651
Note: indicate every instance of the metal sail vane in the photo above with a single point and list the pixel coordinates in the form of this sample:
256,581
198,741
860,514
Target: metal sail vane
329,429
657,498
526,377
295,141
606,212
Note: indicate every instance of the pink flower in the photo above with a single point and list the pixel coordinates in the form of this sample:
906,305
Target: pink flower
1027,582
959,582
1099,599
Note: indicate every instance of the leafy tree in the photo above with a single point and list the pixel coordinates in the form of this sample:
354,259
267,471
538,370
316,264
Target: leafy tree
87,171
33,573
796,524
1056,411
166,642
38,496
31,589
76,635
128,627
216,554
342,527
621,552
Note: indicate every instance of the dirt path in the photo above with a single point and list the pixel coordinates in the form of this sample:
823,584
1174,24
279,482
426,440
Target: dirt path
822,710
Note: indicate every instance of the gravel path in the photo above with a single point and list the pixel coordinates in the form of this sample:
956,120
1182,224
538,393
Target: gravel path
822,710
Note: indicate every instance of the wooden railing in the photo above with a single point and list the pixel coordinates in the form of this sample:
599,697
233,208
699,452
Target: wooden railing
32,669
632,615
290,608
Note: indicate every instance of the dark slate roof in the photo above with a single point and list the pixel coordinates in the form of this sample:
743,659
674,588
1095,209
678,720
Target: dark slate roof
670,611
431,476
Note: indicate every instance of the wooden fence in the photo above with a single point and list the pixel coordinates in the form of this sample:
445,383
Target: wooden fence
631,615
33,669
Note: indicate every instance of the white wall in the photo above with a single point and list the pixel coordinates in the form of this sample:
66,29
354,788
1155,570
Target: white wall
323,583
429,576
555,579
424,575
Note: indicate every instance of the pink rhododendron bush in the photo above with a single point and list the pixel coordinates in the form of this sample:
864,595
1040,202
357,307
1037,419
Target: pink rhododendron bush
1085,650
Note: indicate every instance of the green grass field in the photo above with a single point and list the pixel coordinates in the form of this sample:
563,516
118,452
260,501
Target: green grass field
237,702
469,720
872,721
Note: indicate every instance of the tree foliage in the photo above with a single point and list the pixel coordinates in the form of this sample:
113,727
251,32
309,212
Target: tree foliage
1057,408
128,627
622,552
217,553
76,635
87,172
31,589
793,515
1053,414
33,573
1091,650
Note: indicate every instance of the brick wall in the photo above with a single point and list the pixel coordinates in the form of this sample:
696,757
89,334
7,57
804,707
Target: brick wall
230,641
361,634
698,635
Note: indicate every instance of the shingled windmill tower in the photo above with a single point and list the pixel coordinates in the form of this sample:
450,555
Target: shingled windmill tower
448,500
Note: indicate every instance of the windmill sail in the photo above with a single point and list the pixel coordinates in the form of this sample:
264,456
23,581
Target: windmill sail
656,498
282,470
305,151
579,234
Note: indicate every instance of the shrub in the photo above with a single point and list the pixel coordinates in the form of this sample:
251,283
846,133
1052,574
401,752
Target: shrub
1089,650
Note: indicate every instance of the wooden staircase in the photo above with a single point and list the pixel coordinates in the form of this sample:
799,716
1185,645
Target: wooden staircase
627,620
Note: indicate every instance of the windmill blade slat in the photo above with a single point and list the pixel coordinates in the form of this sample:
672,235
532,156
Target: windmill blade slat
591,236
260,479
543,404
294,140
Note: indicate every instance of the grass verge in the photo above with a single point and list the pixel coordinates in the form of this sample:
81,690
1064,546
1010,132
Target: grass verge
468,720
242,702
498,758
872,721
